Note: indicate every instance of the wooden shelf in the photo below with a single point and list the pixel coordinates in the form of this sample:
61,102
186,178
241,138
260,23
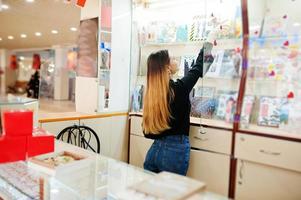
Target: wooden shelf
252,129
270,131
197,121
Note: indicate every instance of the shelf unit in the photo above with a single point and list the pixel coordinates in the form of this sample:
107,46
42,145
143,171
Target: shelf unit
245,85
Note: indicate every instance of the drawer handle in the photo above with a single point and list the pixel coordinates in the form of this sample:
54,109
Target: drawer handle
202,139
202,130
270,152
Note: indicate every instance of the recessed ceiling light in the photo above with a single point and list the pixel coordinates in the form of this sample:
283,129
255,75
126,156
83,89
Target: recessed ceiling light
10,37
54,32
296,24
23,36
38,34
29,1
4,6
73,29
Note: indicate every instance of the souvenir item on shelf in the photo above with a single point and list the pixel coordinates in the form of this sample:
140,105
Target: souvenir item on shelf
215,68
104,81
226,64
151,32
203,104
285,111
105,62
226,105
203,107
291,110
274,26
231,64
137,98
269,111
197,28
166,32
206,92
247,110
182,33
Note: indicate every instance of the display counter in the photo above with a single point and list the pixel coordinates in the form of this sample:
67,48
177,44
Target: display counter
217,153
97,177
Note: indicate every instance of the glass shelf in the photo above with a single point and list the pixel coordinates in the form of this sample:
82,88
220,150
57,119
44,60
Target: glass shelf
274,71
214,96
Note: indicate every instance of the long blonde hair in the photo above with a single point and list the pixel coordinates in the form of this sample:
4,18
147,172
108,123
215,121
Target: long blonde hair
156,109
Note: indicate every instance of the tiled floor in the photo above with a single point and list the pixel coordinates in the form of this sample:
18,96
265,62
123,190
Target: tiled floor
52,106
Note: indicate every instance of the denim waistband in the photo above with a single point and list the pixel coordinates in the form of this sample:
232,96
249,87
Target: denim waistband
174,138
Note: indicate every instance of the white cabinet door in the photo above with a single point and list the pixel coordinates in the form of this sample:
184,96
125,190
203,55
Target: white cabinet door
136,126
211,168
113,135
56,127
138,149
258,181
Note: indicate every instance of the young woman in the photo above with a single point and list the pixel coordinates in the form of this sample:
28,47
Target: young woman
166,112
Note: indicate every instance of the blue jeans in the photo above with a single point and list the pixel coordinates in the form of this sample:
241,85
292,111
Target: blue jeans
170,153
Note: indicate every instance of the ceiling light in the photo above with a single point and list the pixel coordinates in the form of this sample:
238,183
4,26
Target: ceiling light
4,6
29,1
54,32
0,39
23,36
10,37
296,24
38,34
73,29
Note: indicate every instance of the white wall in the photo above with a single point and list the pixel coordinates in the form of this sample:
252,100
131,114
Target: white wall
121,53
86,89
91,10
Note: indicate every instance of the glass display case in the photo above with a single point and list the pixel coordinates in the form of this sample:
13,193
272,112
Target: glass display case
182,27
96,178
11,102
273,88
261,97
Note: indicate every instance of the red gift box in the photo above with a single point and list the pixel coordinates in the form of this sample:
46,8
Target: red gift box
81,3
13,149
17,123
40,142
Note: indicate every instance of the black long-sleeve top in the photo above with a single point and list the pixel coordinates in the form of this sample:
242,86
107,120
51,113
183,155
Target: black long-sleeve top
180,105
